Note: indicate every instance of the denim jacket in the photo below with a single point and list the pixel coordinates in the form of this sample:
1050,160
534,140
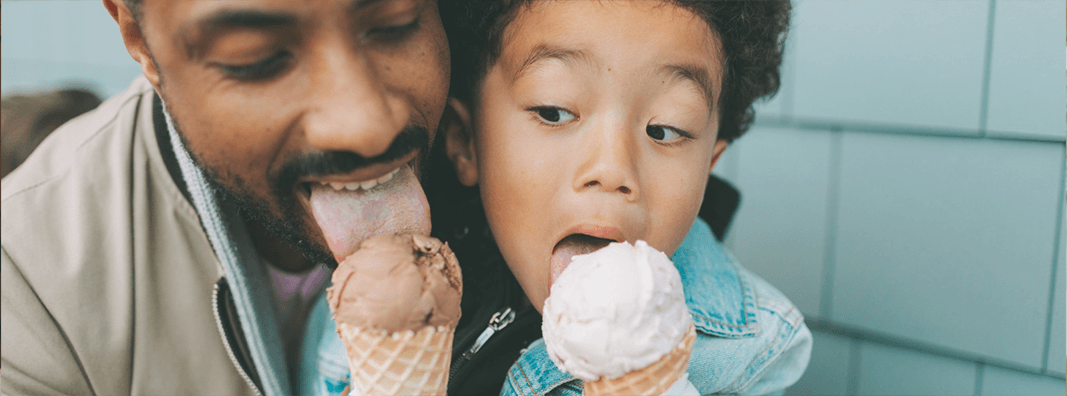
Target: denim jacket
750,338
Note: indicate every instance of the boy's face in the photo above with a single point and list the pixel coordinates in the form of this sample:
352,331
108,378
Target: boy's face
598,123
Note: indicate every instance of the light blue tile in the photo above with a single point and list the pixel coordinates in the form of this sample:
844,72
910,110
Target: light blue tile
887,370
780,230
1002,382
948,241
827,372
62,31
1057,349
913,63
773,108
1027,94
52,44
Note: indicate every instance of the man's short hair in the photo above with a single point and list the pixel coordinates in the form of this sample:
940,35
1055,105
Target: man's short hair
752,32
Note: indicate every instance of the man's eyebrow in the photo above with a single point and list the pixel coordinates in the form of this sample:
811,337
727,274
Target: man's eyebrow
699,75
356,5
544,52
197,34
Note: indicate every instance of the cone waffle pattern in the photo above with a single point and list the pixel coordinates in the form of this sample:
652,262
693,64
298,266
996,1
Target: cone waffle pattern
400,363
652,380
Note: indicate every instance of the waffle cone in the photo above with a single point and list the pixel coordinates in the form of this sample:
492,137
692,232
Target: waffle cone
413,362
654,379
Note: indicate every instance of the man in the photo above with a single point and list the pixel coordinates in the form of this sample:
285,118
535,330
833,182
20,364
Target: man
152,246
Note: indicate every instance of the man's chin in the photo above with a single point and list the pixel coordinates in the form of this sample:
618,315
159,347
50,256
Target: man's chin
292,231
286,221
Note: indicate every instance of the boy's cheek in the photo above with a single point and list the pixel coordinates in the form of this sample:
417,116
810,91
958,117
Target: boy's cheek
533,278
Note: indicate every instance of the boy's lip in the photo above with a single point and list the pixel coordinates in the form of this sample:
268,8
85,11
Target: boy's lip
594,230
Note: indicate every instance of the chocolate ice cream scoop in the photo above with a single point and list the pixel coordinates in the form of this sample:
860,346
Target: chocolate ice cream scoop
397,282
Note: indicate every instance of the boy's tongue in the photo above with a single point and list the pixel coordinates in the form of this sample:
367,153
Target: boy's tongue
348,217
569,247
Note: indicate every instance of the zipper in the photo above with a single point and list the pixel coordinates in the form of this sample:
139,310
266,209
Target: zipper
499,321
229,350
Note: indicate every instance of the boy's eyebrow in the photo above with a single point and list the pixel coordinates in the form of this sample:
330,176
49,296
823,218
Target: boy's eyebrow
698,75
545,52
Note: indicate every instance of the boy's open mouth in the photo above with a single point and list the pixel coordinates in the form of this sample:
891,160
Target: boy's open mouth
570,246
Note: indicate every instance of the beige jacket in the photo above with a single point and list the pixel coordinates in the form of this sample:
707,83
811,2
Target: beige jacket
108,278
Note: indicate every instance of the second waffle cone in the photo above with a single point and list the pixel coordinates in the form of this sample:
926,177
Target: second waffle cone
654,379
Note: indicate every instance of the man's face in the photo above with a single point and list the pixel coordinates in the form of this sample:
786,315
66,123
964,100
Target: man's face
306,109
597,123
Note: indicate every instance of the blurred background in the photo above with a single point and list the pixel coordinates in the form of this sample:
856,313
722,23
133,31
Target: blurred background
905,188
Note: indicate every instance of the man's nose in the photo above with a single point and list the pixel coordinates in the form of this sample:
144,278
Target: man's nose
352,108
609,163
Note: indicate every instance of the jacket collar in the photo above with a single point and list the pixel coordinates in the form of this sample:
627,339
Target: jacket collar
720,299
236,252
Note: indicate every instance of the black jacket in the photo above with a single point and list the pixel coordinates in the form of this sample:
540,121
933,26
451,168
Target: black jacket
491,290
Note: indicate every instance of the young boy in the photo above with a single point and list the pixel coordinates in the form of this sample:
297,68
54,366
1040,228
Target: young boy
585,122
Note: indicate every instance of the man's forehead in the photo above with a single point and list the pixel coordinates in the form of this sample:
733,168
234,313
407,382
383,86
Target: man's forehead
190,15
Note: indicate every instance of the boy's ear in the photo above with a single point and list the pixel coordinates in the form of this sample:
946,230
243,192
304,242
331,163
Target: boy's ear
458,129
133,39
720,147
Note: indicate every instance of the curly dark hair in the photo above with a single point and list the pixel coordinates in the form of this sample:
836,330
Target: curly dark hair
753,36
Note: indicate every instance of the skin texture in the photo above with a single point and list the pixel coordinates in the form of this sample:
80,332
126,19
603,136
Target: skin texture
578,129
270,105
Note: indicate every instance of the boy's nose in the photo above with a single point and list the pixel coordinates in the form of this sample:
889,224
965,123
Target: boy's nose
609,165
351,108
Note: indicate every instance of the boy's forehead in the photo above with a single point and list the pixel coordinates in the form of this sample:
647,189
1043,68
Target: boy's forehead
674,45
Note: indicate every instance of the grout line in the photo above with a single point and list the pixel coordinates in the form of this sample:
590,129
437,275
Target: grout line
852,381
978,374
733,171
826,302
984,112
1055,256
851,126
927,348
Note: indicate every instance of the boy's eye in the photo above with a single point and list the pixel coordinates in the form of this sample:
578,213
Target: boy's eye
553,115
261,70
664,134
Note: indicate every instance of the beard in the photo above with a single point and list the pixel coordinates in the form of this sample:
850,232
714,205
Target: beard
280,212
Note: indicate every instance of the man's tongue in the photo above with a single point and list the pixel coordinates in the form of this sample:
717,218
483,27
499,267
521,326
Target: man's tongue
571,246
348,217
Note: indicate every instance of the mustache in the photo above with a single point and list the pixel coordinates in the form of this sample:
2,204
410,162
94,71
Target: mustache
413,138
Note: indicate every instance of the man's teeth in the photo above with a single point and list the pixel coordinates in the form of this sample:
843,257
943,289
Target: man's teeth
364,185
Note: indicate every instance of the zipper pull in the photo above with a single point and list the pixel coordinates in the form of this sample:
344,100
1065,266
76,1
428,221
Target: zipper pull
499,321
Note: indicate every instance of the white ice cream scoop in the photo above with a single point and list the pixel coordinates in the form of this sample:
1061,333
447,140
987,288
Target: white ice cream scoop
614,311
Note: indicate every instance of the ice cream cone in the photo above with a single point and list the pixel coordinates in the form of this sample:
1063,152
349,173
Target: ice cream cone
398,363
654,379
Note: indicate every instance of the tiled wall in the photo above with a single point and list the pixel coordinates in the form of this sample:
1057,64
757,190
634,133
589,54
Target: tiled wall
54,43
906,190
